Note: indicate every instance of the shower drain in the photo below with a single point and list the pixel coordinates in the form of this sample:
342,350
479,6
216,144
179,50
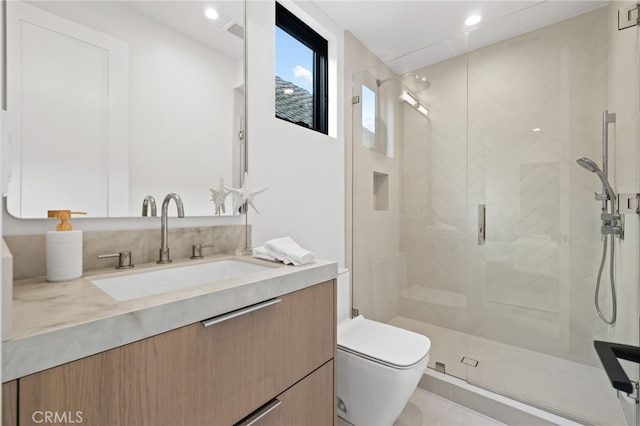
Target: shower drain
469,361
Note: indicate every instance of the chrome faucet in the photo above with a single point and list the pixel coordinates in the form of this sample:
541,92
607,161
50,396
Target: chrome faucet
164,256
149,201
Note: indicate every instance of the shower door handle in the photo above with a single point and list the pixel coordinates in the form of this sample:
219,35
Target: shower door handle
482,228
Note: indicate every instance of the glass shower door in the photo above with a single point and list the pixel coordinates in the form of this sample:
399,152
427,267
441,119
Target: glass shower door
520,131
410,199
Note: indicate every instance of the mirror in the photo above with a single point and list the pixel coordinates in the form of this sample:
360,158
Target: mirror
109,102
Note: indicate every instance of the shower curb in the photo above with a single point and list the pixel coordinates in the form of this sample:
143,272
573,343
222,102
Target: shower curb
497,407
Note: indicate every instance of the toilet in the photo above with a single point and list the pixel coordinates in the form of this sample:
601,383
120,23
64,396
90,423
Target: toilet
379,365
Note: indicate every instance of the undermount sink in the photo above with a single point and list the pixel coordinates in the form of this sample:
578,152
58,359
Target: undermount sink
132,286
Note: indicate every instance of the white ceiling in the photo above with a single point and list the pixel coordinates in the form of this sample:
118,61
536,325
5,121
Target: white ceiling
407,34
187,17
391,29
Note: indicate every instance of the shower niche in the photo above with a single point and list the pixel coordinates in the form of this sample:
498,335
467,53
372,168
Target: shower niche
380,191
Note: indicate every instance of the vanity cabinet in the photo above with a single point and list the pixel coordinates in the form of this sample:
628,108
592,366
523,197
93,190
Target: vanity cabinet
215,372
10,403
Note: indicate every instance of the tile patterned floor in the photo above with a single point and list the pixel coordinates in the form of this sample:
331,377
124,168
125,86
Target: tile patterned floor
427,409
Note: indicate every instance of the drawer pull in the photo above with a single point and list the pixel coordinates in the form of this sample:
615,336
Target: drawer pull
239,312
263,411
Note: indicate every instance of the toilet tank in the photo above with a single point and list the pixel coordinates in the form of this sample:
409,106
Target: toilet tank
344,296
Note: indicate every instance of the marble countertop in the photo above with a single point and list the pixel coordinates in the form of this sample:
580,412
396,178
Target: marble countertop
55,323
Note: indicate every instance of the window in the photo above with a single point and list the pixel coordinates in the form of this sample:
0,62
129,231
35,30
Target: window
368,117
301,72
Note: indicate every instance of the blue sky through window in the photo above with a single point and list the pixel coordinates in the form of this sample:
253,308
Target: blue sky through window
294,61
368,109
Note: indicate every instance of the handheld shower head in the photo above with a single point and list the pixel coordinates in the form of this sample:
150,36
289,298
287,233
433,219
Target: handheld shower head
592,166
588,164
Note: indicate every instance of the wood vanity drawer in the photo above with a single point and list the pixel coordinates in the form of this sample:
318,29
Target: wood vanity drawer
309,403
194,375
263,353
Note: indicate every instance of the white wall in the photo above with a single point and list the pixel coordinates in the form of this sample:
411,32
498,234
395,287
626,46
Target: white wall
303,169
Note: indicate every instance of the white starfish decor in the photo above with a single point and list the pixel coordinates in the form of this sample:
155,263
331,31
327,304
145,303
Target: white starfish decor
218,196
245,194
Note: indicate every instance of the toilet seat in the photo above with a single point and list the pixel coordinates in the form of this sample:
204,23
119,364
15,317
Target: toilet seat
382,343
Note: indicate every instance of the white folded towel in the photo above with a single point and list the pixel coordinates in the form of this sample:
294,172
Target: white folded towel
288,251
261,253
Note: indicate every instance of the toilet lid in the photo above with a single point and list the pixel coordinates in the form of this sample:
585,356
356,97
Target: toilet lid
387,344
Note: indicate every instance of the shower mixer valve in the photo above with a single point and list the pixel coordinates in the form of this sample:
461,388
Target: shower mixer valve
612,224
600,196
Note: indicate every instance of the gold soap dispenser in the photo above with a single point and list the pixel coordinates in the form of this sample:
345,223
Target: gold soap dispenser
64,248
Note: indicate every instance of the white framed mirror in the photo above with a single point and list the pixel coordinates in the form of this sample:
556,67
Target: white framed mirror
109,102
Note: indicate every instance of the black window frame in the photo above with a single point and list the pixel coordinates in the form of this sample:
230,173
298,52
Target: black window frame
296,28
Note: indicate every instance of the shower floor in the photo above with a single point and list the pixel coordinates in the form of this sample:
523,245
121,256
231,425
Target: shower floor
576,390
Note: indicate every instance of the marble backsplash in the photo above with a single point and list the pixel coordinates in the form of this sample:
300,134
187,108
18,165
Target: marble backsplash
29,250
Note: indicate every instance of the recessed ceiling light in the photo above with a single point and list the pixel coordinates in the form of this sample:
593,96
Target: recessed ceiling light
211,13
473,19
537,129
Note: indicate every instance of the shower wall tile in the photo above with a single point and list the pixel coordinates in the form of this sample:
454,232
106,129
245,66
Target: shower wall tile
376,259
557,73
625,159
433,220
627,277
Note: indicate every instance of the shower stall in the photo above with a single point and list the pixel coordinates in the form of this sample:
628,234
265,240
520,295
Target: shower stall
473,224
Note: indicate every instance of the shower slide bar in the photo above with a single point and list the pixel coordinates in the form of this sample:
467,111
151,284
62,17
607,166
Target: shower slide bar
607,118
